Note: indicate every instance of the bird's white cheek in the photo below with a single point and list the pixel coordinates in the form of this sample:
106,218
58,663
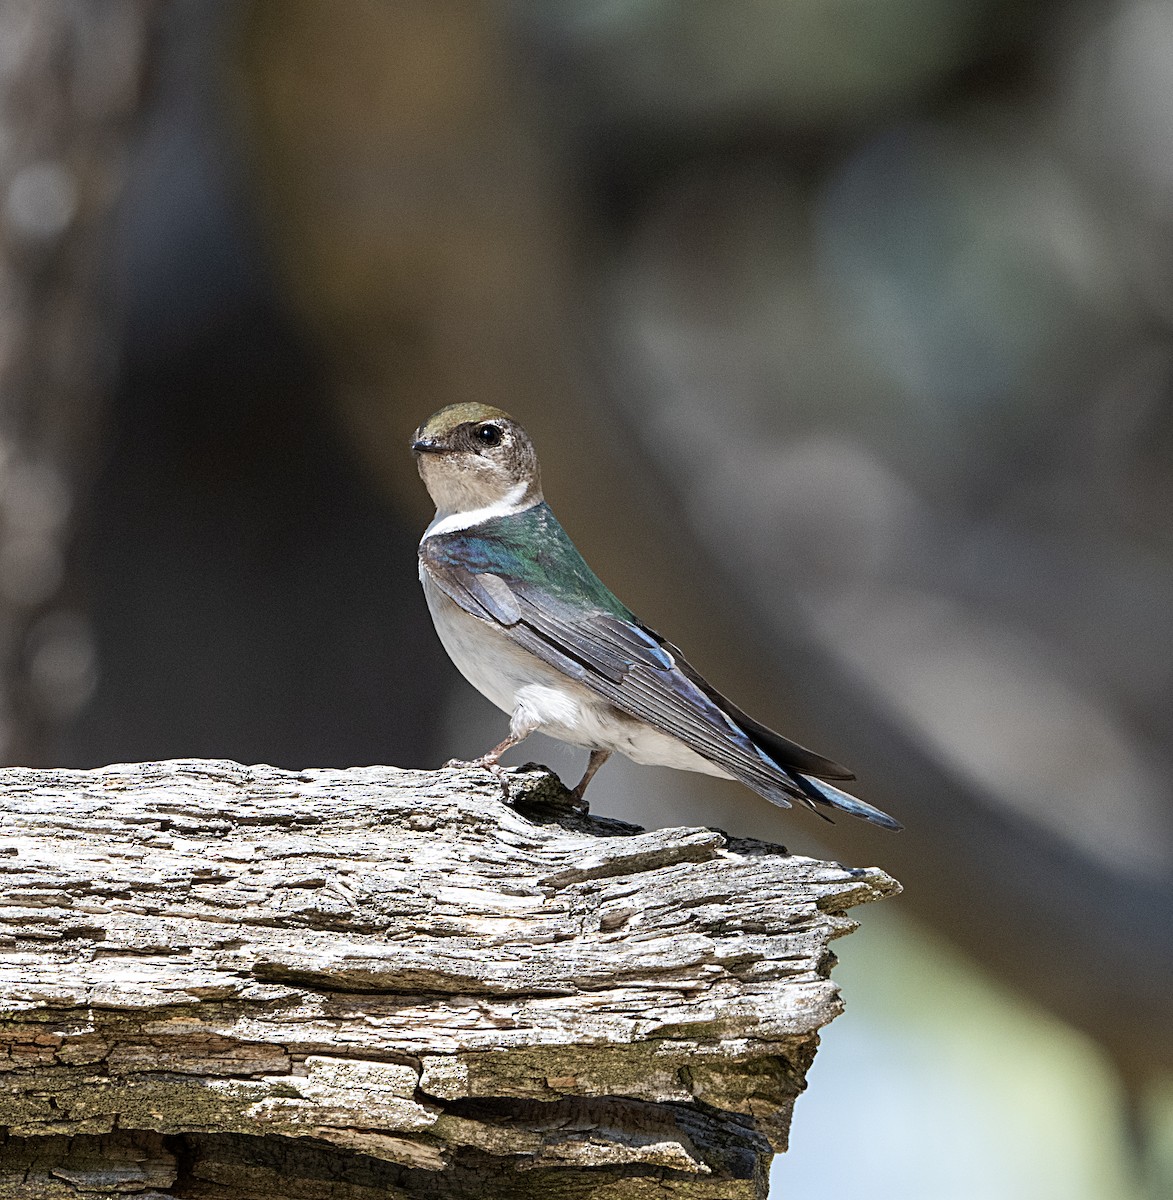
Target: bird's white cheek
462,483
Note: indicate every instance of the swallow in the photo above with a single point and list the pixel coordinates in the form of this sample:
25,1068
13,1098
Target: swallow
535,630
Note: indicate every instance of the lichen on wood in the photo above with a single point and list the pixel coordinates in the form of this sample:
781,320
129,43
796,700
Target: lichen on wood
215,976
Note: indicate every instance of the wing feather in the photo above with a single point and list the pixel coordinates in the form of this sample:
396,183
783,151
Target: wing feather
621,661
631,667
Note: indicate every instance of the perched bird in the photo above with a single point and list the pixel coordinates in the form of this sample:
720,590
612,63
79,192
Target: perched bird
532,627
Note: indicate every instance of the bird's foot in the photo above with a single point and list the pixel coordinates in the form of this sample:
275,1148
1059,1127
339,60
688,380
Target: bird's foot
486,762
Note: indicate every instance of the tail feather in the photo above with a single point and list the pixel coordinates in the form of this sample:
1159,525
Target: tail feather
820,792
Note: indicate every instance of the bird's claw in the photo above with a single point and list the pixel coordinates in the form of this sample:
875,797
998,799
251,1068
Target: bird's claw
486,763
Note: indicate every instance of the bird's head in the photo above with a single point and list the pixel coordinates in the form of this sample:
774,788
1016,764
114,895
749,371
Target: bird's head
471,456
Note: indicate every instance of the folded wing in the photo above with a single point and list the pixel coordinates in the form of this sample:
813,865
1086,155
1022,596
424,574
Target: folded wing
632,667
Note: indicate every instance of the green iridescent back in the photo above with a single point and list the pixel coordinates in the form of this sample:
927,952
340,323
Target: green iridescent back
531,546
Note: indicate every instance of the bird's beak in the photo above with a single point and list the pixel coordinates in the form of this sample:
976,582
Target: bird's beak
427,446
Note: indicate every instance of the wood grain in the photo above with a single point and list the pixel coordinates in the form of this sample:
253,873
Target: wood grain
220,978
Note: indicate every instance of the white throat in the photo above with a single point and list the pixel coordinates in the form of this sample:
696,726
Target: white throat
514,501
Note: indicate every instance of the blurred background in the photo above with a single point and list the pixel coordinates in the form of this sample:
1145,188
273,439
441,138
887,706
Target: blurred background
845,332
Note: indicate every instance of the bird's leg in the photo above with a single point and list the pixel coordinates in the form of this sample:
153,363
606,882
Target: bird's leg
520,728
598,758
492,758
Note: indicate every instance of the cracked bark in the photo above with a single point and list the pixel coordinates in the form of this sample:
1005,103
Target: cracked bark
227,981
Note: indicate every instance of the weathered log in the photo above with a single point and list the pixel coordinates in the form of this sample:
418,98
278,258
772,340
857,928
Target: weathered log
246,982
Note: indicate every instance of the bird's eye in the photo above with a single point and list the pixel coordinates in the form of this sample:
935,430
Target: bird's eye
488,435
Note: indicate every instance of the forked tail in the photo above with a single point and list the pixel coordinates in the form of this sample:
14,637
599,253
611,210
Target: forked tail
819,792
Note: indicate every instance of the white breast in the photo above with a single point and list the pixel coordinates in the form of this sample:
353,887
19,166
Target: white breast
483,655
